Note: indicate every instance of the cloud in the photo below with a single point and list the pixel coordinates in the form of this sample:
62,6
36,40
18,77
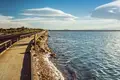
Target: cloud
108,11
13,24
5,18
7,22
49,18
38,19
84,23
48,13
89,23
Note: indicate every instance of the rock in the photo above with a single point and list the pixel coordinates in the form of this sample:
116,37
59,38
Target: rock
34,55
38,73
37,60
53,55
42,50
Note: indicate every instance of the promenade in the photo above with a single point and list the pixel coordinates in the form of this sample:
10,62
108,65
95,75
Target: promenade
15,62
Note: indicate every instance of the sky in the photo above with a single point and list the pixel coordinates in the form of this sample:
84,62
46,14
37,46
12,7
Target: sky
61,14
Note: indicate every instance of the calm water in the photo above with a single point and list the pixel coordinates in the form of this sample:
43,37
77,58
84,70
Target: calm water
87,55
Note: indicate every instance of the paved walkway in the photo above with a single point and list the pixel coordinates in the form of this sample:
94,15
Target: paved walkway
15,62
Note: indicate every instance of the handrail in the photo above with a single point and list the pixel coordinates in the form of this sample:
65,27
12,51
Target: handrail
5,45
33,50
5,42
8,43
38,35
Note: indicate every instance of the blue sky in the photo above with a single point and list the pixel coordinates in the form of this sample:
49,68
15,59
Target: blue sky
49,14
75,7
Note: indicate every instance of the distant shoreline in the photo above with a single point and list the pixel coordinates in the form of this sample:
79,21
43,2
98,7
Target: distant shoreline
89,30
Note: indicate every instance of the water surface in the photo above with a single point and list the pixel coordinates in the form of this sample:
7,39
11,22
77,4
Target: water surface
86,55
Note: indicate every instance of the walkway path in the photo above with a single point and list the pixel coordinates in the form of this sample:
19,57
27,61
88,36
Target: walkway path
15,62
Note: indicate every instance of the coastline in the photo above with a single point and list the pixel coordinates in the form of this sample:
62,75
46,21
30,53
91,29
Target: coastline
42,67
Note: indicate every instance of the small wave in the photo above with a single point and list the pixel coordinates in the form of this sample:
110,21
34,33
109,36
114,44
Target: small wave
71,73
87,55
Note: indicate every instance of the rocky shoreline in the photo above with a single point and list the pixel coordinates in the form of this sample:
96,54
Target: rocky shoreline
42,67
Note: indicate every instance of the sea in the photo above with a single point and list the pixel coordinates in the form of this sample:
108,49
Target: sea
87,55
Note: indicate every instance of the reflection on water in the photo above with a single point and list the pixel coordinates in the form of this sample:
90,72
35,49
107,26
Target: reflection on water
87,55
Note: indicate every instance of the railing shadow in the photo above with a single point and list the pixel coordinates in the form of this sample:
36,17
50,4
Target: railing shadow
26,68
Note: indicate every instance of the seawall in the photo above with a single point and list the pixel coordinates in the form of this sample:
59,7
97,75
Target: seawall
41,67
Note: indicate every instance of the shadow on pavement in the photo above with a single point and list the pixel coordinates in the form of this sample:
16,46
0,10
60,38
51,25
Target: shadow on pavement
26,68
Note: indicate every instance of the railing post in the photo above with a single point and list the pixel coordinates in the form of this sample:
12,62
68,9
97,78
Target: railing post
5,45
17,39
35,41
10,42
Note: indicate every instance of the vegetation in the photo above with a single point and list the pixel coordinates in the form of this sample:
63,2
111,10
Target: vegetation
19,30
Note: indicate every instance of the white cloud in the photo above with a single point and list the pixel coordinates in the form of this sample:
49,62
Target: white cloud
81,24
7,22
49,18
48,13
84,23
37,18
13,24
108,11
5,18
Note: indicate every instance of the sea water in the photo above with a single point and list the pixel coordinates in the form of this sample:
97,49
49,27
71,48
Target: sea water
87,55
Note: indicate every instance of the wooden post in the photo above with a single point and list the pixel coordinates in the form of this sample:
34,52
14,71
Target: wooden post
5,45
35,41
10,42
17,39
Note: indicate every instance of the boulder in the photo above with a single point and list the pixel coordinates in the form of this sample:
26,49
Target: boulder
53,55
